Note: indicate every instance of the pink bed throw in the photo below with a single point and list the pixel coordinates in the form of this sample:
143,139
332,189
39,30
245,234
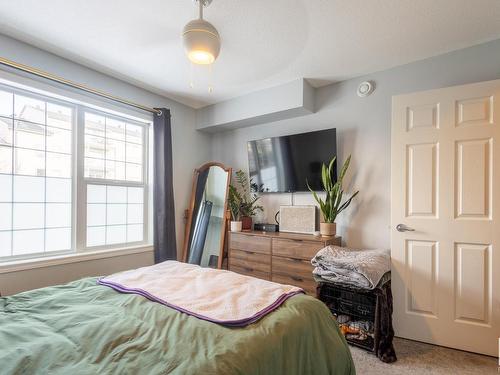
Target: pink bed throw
218,296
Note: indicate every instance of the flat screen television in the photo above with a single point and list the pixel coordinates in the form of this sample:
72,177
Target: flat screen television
286,164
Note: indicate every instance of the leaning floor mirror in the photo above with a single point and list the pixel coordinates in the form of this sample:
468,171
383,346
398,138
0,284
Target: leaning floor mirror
206,216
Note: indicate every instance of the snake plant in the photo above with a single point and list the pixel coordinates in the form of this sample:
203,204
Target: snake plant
332,205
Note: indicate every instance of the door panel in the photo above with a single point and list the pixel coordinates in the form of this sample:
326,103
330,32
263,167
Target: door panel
421,260
424,116
472,283
475,111
473,160
422,186
445,186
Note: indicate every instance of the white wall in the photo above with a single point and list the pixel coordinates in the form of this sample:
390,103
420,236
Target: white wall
363,130
191,148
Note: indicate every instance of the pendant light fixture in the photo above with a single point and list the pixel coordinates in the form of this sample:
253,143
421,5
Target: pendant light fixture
201,39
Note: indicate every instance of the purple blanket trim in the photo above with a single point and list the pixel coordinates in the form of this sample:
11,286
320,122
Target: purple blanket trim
229,323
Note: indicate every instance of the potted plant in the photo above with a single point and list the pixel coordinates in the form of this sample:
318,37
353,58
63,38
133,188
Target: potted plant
332,205
247,195
234,202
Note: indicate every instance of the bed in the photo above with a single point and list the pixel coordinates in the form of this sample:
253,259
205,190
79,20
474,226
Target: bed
86,328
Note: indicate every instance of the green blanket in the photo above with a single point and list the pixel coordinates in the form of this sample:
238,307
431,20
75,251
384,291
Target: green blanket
85,328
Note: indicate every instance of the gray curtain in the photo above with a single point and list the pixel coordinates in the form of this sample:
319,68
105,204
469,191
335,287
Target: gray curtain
163,191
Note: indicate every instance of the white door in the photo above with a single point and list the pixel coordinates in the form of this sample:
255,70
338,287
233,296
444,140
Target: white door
446,187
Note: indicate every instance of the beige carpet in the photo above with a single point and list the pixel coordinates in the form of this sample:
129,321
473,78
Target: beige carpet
418,358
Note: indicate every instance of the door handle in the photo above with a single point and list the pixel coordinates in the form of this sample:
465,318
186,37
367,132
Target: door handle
404,228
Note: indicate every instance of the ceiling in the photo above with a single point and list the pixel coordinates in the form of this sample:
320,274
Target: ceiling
264,42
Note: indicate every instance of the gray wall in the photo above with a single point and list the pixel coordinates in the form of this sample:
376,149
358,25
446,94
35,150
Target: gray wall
288,100
363,126
191,148
20,281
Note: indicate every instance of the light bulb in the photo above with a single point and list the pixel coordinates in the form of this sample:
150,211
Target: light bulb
201,57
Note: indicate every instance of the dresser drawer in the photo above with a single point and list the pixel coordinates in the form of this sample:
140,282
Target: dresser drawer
292,267
257,261
309,285
294,272
249,271
296,248
254,244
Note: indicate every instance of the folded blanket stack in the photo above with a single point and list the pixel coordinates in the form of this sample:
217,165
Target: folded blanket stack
357,268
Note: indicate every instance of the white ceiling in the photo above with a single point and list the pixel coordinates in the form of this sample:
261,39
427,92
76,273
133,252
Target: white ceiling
264,42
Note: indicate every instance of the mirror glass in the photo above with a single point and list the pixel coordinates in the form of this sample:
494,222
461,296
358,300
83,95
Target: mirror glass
207,223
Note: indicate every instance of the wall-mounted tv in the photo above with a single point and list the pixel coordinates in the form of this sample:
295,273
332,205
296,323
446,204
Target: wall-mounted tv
284,164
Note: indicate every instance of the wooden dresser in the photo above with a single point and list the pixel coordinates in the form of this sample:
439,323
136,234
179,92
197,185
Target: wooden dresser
281,257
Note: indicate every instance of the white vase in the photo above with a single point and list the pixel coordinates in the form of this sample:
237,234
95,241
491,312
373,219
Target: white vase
328,229
236,226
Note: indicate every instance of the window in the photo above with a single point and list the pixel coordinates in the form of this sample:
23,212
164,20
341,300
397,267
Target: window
114,180
71,178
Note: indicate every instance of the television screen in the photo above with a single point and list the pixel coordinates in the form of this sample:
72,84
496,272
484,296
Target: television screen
286,164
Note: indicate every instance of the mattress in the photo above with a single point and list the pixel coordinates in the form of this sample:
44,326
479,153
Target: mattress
86,328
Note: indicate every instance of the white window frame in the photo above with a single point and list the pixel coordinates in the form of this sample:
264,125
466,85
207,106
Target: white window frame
82,182
79,182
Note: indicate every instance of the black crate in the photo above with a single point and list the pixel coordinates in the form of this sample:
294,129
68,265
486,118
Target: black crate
368,344
358,304
350,302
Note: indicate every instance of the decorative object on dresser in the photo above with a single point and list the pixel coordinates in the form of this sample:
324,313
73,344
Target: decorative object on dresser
332,205
261,227
206,224
281,257
244,199
234,203
298,219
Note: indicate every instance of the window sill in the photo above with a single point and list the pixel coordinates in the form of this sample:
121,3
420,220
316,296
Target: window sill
22,265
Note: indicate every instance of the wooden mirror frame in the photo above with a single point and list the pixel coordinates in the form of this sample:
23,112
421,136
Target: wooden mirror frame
189,213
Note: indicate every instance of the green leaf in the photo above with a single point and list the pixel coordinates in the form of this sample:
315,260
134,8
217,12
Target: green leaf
344,169
324,179
347,202
330,167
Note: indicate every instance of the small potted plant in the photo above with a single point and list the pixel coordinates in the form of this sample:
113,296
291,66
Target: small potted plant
234,203
332,205
247,195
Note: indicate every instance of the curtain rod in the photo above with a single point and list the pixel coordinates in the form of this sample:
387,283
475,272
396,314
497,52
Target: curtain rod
52,77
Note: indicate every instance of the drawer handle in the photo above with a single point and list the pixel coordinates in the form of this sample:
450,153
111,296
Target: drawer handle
295,278
248,269
296,260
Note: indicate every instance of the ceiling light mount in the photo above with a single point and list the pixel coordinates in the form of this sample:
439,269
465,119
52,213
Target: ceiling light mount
201,39
205,3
